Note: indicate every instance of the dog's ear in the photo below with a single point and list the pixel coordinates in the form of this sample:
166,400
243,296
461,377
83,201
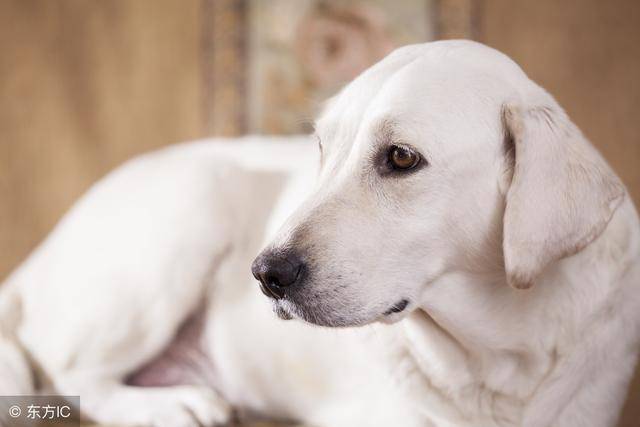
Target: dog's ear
562,193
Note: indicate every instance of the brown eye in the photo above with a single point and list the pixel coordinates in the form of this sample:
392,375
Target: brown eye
403,158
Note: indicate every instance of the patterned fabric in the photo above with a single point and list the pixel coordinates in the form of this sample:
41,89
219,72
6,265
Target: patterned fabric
302,52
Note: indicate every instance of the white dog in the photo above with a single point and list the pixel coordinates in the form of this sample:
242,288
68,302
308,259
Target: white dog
455,201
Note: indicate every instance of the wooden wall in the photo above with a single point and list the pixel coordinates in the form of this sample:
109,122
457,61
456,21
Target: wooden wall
83,86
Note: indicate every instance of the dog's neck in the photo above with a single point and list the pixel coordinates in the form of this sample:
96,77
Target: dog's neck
468,370
481,350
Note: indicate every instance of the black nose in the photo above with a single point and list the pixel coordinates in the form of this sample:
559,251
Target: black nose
277,270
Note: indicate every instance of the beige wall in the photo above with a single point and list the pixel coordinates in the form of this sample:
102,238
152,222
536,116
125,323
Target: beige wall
587,54
83,86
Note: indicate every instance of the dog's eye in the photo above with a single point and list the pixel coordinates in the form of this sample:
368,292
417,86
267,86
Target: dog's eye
402,158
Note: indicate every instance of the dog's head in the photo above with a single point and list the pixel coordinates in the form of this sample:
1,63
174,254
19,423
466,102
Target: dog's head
443,157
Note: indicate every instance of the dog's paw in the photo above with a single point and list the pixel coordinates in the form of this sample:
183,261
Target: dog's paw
180,406
189,406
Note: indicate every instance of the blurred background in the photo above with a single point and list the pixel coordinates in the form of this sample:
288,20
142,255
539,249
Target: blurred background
85,84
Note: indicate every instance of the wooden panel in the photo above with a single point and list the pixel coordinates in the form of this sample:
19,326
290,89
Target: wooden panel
224,61
457,19
83,86
586,53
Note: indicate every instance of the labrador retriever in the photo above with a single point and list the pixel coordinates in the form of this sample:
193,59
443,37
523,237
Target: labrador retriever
449,204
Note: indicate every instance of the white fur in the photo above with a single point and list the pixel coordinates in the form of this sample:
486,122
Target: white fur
147,245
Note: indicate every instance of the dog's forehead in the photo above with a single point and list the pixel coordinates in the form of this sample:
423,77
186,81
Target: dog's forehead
345,111
437,80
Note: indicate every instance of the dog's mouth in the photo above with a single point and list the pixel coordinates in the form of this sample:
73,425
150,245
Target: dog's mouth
396,312
316,315
287,310
398,307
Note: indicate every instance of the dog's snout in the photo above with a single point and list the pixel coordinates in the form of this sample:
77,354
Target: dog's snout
276,271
